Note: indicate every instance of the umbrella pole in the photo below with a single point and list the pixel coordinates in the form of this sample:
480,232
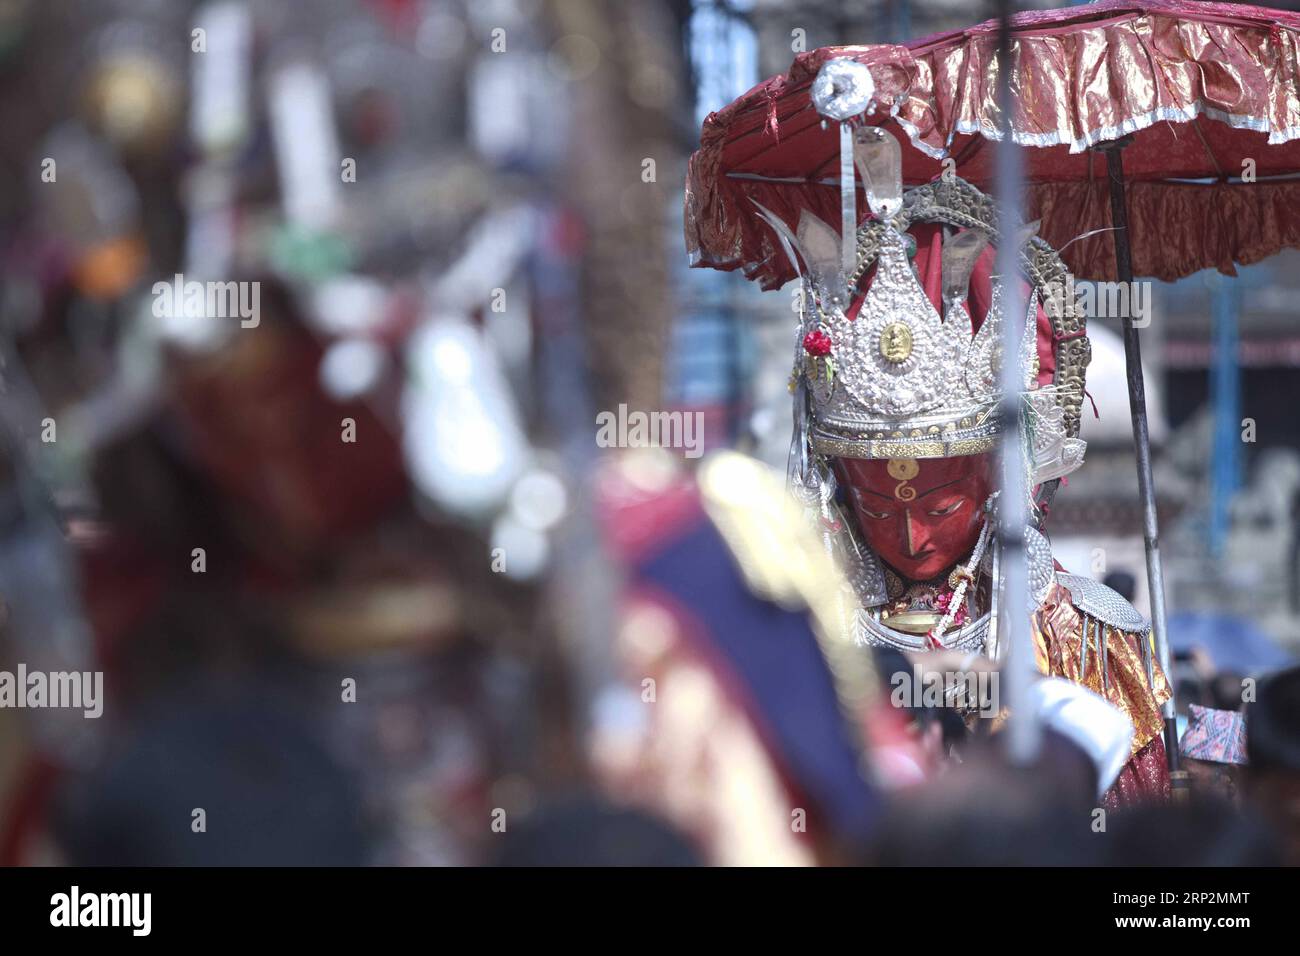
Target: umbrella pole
1024,730
1137,400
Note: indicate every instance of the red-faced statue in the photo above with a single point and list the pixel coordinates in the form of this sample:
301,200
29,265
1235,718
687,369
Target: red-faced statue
921,516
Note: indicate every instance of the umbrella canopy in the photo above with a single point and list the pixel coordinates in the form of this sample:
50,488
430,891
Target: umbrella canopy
1209,91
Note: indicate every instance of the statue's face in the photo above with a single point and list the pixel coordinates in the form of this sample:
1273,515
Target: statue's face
922,516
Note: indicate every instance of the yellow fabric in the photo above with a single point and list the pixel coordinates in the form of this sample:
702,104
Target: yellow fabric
1058,638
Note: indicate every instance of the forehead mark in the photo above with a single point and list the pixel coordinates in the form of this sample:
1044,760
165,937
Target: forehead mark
922,494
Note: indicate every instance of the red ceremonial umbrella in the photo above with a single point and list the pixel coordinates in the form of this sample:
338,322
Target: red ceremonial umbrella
1208,91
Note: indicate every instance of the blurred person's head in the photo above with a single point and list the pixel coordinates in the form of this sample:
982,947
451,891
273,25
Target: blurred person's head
1067,774
1213,748
986,812
589,831
1225,691
215,777
1210,780
1202,832
1272,775
1123,583
1188,690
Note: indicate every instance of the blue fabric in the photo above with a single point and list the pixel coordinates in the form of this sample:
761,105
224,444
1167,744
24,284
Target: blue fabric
774,653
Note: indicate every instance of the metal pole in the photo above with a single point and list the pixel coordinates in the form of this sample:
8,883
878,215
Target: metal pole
1225,391
1013,629
1137,400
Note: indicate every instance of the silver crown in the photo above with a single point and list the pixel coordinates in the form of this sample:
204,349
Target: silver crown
899,375
898,380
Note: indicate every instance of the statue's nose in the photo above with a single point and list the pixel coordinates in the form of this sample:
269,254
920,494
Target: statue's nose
912,532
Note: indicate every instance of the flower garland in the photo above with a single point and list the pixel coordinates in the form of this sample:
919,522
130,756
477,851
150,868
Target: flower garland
954,602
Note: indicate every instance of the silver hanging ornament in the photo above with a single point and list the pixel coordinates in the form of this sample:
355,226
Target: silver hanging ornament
842,90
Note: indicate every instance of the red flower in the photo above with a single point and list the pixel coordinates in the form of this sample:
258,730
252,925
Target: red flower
817,342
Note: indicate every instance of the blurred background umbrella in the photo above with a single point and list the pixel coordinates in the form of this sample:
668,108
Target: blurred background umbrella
1234,643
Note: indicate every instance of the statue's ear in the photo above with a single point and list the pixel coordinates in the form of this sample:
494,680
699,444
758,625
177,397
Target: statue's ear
819,244
959,255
